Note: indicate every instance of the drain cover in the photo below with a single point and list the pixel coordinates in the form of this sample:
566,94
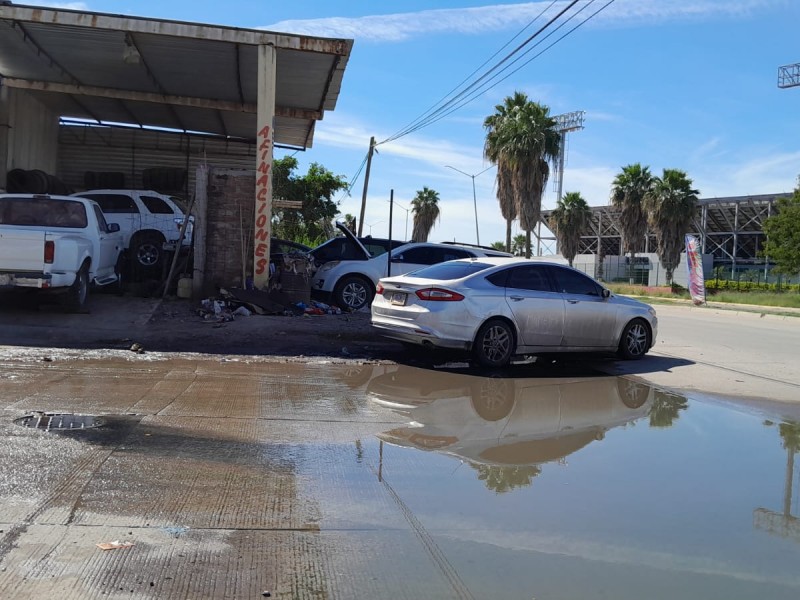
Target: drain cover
59,421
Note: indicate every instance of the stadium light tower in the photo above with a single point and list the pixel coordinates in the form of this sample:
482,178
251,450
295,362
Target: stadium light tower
789,76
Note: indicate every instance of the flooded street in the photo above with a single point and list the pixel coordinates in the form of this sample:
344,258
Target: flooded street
235,478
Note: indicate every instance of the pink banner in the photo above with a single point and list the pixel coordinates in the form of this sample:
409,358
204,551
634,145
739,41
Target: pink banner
694,261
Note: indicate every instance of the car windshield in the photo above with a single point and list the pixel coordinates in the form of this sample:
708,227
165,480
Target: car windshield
449,270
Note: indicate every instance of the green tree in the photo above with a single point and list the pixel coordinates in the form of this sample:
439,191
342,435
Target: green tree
783,235
425,207
315,189
567,220
522,140
493,150
518,244
627,194
670,203
499,246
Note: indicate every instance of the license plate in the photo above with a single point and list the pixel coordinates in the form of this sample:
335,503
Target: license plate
398,299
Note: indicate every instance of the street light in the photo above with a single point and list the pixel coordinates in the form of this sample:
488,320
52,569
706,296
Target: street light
408,210
474,196
375,223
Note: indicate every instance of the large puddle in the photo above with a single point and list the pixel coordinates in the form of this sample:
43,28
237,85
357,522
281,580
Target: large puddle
404,482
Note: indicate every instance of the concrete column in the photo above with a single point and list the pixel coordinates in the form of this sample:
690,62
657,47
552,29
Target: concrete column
265,115
5,126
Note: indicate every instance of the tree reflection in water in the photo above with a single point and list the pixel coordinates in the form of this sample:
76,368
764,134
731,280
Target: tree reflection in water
504,479
666,408
790,434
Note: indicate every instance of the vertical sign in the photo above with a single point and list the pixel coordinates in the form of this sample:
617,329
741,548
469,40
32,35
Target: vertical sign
263,207
694,262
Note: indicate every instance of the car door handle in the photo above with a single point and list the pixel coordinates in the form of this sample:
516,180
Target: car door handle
517,298
573,301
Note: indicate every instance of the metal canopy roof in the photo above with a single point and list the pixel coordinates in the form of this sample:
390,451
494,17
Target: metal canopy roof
170,74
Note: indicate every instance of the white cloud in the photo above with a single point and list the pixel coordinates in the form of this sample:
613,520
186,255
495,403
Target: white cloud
500,17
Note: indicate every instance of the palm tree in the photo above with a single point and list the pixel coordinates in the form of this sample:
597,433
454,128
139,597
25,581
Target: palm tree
425,207
567,221
522,140
670,204
518,244
499,246
493,150
627,194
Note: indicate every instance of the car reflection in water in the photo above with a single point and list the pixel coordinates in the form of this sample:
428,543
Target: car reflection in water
505,428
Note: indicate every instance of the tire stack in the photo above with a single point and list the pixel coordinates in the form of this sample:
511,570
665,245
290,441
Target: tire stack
104,180
165,180
34,181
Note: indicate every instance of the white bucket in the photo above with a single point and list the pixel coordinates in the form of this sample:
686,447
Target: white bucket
185,287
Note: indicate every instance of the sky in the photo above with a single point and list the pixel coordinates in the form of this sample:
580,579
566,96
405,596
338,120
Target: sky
686,84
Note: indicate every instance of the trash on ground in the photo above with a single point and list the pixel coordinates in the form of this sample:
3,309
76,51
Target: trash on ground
114,545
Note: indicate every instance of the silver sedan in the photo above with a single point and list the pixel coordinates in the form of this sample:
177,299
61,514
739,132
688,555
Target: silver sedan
501,307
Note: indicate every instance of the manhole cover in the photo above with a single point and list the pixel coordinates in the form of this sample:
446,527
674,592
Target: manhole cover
59,421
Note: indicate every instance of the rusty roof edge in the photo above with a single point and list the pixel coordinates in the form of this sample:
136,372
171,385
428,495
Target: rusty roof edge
183,29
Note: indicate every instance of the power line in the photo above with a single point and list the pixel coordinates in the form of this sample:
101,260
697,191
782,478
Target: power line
459,101
424,122
353,179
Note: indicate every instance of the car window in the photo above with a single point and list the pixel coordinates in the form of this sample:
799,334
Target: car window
42,212
529,277
569,281
101,220
423,255
114,203
449,270
454,254
499,278
157,206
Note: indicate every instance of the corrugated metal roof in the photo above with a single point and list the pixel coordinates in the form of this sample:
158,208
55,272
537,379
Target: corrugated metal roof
198,77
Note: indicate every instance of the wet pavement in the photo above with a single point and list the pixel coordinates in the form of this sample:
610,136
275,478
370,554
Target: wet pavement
234,477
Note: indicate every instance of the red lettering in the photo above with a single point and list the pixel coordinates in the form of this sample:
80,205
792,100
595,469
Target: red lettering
264,131
265,145
263,168
261,195
261,250
261,221
262,235
262,181
261,266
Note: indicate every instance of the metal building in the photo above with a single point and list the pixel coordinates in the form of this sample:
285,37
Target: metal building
730,229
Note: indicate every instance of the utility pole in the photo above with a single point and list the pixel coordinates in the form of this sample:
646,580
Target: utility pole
366,186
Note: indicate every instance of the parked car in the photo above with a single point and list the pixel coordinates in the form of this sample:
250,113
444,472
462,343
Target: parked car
147,221
498,308
351,284
58,244
279,248
343,248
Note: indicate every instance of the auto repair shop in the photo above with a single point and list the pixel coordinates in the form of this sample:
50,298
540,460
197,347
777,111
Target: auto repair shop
102,100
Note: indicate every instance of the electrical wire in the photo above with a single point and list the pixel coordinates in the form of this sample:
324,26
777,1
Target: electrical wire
353,179
459,101
410,128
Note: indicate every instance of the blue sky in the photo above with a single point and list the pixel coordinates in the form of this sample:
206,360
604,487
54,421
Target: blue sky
688,84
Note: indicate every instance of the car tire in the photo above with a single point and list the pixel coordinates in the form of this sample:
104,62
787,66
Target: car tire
493,398
494,344
147,251
353,293
632,393
634,341
78,293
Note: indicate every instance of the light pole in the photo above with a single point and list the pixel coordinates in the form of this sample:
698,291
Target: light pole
474,196
371,226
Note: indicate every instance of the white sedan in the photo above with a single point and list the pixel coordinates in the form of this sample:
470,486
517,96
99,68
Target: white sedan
501,307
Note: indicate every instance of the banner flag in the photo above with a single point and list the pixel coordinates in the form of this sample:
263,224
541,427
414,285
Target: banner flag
694,262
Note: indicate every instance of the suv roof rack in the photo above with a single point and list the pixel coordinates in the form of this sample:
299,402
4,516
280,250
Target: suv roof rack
471,246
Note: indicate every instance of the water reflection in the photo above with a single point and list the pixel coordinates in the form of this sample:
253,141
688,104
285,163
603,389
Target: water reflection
783,524
506,428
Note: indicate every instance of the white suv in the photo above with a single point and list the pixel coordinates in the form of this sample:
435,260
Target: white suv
350,284
147,220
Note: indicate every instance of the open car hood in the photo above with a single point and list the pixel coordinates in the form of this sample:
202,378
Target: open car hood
349,235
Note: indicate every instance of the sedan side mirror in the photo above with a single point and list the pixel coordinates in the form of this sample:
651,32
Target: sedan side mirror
606,293
112,227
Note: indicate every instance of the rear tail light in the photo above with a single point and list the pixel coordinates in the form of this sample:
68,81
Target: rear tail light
49,252
439,295
379,289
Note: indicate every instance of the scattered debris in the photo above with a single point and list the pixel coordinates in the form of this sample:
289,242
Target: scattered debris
114,545
240,302
136,347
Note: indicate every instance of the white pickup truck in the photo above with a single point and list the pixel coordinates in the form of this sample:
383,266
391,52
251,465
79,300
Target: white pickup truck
147,220
57,244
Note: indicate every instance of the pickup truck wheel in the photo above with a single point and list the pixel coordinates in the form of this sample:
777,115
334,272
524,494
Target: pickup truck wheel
78,292
147,250
119,271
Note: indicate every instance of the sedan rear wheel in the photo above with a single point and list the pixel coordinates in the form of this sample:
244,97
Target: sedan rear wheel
635,340
494,345
353,293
